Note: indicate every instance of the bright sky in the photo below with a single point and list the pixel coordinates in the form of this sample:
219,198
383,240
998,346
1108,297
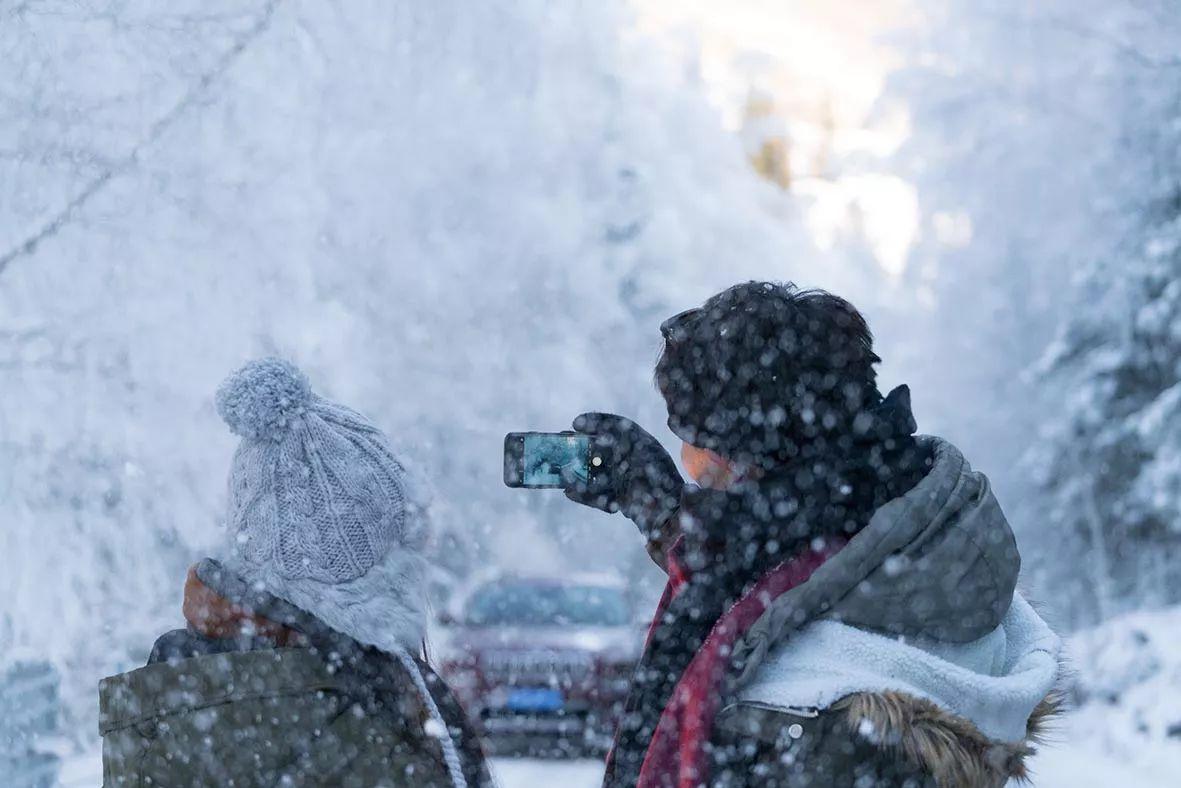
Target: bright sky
816,70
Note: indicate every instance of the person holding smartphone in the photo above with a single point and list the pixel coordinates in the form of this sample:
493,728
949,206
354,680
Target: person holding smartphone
301,662
841,604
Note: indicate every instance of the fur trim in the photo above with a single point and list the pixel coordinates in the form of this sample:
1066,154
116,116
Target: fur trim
947,747
385,607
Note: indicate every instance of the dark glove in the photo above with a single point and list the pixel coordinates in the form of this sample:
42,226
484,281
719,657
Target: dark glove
641,479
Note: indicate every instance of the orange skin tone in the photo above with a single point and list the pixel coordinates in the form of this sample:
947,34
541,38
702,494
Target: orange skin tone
710,469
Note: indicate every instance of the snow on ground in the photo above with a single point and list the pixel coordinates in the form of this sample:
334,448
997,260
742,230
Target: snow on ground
1079,765
82,771
1127,684
1127,727
1129,678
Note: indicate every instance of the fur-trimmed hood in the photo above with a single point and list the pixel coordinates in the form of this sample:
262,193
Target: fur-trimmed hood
915,633
949,748
940,562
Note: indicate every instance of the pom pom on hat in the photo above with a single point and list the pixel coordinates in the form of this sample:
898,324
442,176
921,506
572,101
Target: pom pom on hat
315,492
263,398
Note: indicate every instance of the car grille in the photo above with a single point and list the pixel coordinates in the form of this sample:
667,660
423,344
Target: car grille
538,663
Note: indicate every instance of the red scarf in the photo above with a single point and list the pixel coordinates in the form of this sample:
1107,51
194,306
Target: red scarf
676,756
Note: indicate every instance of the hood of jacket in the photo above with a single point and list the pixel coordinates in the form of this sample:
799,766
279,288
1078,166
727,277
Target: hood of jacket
994,683
915,632
938,562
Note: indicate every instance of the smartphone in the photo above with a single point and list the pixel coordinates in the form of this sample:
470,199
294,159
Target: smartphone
549,460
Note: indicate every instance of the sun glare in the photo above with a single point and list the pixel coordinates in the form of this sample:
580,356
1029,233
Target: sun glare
801,84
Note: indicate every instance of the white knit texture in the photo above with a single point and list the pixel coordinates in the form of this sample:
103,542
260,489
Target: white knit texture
315,490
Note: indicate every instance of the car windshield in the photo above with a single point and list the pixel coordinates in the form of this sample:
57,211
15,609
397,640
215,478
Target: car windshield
531,604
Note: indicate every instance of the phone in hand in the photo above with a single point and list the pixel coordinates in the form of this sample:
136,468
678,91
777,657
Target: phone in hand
550,460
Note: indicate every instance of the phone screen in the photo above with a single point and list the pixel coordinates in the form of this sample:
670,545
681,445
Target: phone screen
546,459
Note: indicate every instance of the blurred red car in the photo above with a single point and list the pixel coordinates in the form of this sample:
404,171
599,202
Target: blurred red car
544,664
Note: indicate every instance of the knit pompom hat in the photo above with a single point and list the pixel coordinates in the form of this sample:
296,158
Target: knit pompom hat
314,487
321,512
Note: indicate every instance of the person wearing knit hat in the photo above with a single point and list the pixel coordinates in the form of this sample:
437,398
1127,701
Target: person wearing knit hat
321,512
301,661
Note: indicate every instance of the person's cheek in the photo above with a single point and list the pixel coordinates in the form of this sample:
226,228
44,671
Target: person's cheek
692,460
705,467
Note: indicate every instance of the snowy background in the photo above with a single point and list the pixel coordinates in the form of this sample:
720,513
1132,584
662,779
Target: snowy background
465,219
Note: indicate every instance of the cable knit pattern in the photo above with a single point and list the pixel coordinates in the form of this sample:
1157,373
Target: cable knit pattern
315,492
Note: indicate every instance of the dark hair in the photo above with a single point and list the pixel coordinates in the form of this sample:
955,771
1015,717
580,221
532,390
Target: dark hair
763,370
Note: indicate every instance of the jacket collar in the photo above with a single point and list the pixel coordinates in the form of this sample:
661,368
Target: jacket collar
220,604
218,617
993,683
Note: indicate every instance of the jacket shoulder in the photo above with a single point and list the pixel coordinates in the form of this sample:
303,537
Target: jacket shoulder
261,717
183,644
191,682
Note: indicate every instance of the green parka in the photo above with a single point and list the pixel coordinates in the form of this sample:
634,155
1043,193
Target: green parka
243,712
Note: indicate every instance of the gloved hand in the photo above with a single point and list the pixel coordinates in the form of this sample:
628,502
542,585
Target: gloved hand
641,479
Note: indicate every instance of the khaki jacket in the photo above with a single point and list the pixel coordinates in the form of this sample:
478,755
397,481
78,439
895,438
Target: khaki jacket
251,711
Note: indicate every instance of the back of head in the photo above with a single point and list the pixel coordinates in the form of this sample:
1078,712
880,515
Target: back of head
321,512
765,373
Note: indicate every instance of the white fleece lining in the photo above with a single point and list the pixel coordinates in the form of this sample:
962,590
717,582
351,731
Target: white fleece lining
995,682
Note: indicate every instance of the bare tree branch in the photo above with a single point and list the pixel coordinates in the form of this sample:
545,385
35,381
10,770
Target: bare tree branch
75,157
157,130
